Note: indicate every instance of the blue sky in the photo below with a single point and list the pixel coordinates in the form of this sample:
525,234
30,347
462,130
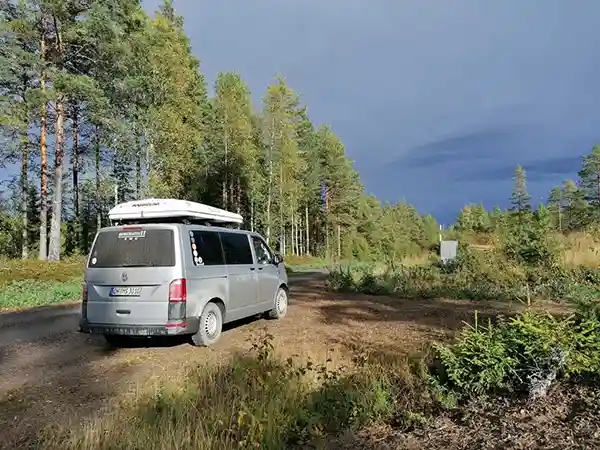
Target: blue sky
436,100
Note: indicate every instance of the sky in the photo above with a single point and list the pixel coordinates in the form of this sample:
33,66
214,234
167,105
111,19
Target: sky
435,100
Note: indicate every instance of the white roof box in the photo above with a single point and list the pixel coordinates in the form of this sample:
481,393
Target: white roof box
165,208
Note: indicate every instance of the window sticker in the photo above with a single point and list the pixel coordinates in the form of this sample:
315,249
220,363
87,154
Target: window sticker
132,235
94,260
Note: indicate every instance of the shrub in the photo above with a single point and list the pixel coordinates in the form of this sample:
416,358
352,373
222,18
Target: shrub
525,353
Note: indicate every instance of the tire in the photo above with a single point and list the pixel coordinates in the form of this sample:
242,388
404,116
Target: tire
210,326
281,304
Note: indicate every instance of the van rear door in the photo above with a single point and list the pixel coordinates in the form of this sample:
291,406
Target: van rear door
129,273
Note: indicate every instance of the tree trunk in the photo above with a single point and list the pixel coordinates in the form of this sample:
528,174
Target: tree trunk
270,183
97,196
339,242
292,240
307,242
24,197
226,166
281,221
76,205
598,188
43,254
252,213
138,176
239,196
55,226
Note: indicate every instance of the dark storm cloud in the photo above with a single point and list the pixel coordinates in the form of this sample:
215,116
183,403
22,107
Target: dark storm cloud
435,101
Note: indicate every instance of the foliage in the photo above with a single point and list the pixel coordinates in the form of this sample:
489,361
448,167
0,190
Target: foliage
525,353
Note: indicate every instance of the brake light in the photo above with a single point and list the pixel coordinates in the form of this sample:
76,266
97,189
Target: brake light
84,292
178,291
131,228
177,299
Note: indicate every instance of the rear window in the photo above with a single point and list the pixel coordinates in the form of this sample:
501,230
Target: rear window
133,248
236,247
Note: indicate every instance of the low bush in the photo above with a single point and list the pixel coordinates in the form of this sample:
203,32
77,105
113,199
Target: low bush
522,354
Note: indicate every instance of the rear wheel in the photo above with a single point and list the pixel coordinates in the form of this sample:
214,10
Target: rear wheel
281,305
209,329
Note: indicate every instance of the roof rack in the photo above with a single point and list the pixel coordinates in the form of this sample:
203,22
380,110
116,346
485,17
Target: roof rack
165,210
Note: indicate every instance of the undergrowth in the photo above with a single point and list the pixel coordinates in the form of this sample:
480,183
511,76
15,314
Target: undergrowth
253,401
474,275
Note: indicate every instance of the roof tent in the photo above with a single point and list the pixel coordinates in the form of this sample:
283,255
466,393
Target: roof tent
164,209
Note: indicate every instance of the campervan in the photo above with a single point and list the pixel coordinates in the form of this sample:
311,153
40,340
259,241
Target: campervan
170,267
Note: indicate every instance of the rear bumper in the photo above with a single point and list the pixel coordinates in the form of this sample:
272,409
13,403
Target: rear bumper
187,326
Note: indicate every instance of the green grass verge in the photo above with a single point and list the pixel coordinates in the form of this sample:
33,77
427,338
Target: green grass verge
24,294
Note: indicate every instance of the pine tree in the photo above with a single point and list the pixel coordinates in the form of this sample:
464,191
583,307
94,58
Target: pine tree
589,176
520,199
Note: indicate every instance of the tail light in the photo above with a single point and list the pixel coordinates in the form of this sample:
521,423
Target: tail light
177,299
84,300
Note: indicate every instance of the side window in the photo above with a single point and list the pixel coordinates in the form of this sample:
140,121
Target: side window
263,255
206,248
236,248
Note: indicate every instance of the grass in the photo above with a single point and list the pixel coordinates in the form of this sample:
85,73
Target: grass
254,400
31,283
33,293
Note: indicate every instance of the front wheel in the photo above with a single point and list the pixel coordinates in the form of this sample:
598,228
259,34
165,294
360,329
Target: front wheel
209,329
281,305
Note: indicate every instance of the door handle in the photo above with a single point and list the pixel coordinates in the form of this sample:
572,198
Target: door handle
260,268
252,268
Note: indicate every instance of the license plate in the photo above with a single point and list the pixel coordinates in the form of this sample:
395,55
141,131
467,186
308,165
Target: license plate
125,291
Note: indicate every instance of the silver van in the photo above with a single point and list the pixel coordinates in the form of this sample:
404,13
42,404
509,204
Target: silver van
166,279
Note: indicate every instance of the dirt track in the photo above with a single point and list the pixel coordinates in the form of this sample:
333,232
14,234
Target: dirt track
50,373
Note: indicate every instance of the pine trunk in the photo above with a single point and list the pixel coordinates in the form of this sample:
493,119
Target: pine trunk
97,193
307,242
56,222
43,253
270,183
76,206
138,176
24,197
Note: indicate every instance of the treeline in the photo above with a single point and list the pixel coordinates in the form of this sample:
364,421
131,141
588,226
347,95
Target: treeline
101,103
572,206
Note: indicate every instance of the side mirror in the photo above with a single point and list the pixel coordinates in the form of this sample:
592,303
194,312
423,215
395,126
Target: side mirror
277,259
